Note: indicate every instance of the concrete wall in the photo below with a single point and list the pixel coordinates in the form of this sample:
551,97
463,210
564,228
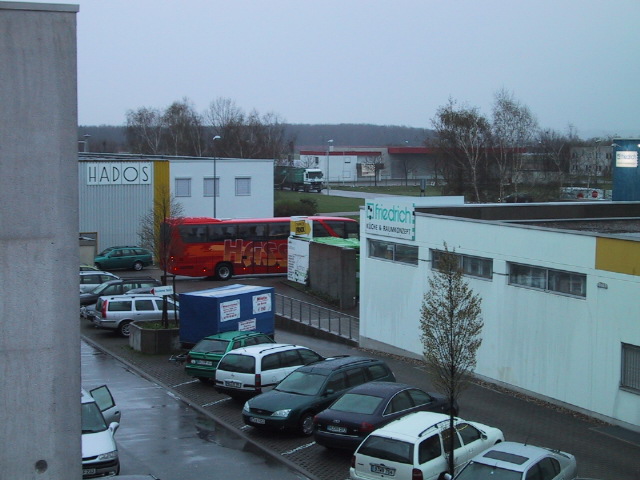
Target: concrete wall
562,348
40,341
332,271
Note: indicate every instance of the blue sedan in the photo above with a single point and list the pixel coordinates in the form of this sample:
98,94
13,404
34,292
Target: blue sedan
367,407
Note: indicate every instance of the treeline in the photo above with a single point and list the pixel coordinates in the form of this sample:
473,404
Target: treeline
113,139
225,130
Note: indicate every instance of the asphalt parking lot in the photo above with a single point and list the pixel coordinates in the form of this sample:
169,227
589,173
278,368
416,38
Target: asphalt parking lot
603,451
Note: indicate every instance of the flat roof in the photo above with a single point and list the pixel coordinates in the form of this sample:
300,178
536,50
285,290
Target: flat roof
597,217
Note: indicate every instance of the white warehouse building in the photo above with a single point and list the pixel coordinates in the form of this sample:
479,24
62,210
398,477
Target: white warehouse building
117,190
558,282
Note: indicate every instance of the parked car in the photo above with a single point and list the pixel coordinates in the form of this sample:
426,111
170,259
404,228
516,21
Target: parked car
118,311
90,279
361,410
89,268
294,402
518,461
124,257
202,360
100,419
116,287
248,371
415,446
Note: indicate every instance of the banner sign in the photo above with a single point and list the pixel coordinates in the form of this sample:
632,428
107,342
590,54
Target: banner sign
390,219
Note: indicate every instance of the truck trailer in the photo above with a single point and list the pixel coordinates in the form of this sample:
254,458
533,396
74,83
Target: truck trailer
299,178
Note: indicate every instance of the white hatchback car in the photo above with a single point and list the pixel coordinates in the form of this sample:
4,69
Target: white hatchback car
414,447
90,279
248,371
100,420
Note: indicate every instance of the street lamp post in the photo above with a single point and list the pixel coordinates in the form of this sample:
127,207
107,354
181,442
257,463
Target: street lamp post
214,188
330,142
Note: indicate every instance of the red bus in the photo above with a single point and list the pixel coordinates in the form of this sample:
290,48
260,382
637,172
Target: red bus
210,247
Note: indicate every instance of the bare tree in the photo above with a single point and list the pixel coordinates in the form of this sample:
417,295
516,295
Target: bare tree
184,131
144,130
247,136
463,133
555,148
512,130
153,236
450,326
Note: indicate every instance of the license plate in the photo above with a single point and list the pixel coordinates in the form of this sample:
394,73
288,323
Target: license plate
232,384
206,363
88,471
333,428
261,421
381,469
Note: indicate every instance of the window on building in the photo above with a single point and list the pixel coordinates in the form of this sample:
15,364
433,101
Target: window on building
630,377
243,186
470,265
396,252
547,279
183,187
210,187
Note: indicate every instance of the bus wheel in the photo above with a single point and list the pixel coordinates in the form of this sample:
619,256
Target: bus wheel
223,271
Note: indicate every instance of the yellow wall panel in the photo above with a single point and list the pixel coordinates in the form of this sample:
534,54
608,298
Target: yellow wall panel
620,256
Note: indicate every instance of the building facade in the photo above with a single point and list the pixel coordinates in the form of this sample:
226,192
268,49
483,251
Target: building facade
117,190
558,284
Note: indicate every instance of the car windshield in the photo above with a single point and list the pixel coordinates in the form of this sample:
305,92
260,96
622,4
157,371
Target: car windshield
480,471
387,449
302,383
211,346
92,419
357,403
100,288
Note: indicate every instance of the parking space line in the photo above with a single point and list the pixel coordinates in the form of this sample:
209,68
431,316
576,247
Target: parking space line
301,447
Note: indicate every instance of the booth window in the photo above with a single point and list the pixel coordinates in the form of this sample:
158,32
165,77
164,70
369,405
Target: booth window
547,279
211,186
469,265
243,186
630,378
396,252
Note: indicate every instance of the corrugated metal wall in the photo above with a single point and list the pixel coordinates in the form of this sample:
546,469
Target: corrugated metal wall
112,210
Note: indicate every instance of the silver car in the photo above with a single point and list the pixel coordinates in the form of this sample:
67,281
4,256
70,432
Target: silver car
118,311
519,461
91,279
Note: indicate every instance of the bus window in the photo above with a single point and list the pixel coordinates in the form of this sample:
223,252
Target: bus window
252,231
279,230
319,230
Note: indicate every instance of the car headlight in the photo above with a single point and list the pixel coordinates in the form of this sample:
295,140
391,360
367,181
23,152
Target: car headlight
246,407
281,413
108,455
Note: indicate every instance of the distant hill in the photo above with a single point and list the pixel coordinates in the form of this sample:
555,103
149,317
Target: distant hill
110,139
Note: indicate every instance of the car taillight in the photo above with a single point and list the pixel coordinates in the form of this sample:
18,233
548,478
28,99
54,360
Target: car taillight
258,381
416,474
315,419
366,427
188,359
104,309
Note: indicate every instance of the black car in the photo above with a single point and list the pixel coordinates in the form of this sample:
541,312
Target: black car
116,287
370,406
294,402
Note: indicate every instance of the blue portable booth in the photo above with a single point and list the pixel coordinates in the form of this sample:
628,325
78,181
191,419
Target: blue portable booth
225,309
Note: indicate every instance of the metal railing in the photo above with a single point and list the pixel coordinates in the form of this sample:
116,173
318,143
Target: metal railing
318,317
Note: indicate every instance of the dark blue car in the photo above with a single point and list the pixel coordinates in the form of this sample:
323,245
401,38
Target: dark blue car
370,406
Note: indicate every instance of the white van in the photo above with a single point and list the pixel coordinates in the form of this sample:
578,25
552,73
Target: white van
100,420
248,371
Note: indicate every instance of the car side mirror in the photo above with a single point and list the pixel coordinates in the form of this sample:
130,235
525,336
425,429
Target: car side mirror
447,476
113,426
328,391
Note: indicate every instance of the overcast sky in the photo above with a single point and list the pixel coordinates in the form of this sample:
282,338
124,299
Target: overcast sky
572,62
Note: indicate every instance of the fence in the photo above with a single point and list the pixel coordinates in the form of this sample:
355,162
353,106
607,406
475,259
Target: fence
317,317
